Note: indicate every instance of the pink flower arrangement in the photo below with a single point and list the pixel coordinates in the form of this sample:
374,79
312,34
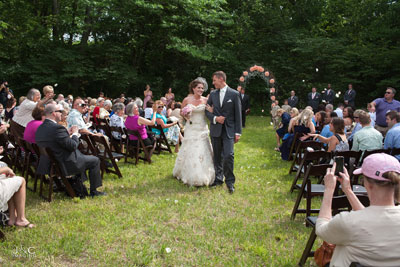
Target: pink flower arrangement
272,90
273,98
266,73
245,73
261,69
253,68
187,111
241,79
272,81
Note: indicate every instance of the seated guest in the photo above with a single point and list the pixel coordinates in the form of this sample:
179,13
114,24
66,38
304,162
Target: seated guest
338,141
12,197
368,235
285,119
137,123
10,108
348,118
392,139
339,110
24,113
117,119
64,144
329,108
357,127
148,111
170,107
367,138
64,116
96,110
105,110
275,119
75,118
302,125
176,112
32,126
171,130
372,113
326,130
320,120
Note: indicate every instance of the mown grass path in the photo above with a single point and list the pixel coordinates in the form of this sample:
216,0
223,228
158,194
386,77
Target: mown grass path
149,212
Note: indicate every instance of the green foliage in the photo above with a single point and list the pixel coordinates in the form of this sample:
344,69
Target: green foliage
119,46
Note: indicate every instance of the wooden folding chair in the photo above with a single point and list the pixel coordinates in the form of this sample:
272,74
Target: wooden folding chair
309,157
339,203
300,149
105,154
30,163
370,152
85,145
55,172
351,159
161,140
395,151
118,144
137,149
293,146
308,190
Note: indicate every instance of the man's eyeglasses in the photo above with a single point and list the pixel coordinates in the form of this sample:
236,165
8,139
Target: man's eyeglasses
160,107
388,93
60,111
82,105
355,117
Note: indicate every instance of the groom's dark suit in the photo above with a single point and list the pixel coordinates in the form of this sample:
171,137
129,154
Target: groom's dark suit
65,149
223,135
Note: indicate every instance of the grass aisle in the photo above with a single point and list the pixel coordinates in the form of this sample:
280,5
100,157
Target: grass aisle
149,212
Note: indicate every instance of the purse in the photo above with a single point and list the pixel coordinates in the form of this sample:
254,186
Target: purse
323,254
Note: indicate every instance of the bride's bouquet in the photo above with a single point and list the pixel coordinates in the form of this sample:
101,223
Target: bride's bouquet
187,112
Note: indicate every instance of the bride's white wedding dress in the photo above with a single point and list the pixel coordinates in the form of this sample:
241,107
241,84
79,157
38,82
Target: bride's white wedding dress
194,165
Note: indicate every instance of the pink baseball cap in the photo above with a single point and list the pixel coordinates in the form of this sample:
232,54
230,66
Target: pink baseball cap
375,165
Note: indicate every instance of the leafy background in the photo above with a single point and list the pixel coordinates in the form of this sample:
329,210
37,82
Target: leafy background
119,46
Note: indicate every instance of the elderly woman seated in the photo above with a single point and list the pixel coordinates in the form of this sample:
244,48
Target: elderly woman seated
369,235
117,119
12,197
283,129
136,123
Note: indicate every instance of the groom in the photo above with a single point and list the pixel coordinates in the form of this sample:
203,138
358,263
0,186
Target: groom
225,128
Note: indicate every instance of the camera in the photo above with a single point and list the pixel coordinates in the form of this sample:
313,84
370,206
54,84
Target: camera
339,160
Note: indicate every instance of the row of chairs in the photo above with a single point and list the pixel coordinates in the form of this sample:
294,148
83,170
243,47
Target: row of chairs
308,163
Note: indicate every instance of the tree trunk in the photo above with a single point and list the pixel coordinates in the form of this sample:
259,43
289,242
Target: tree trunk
55,13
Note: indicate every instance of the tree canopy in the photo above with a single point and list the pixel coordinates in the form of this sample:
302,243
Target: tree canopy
119,46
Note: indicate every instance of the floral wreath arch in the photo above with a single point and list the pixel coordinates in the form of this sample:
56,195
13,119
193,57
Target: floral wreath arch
263,73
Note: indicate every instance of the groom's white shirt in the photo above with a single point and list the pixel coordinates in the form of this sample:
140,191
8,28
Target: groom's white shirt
222,92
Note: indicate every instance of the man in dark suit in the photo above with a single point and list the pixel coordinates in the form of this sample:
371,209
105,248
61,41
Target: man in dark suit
64,145
314,98
293,99
225,128
350,96
245,101
329,95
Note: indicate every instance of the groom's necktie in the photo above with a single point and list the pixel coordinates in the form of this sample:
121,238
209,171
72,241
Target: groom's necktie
221,96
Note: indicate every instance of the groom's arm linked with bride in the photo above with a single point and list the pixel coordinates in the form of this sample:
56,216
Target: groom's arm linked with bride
225,128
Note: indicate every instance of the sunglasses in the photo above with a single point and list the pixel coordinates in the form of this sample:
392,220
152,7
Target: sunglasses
160,107
60,111
356,117
82,105
388,93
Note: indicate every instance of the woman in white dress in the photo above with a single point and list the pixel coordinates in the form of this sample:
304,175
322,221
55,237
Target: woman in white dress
12,197
194,165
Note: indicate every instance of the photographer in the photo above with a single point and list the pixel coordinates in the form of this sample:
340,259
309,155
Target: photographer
369,235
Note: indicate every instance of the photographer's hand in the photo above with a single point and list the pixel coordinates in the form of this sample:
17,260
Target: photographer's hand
344,180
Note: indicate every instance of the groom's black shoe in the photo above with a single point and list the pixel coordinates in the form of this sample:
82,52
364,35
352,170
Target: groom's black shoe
231,188
216,183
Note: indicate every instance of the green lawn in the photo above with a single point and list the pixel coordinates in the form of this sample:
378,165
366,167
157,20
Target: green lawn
148,213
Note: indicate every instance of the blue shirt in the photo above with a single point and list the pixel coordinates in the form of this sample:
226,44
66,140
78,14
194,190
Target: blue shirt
326,131
392,139
356,129
382,107
159,116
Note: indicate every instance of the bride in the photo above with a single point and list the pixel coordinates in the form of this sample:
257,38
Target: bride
194,164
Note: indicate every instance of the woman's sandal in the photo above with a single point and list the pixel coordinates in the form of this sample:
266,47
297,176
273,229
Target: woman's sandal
277,149
28,225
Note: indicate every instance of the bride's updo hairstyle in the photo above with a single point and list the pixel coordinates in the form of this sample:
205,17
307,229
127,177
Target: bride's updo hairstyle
193,85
